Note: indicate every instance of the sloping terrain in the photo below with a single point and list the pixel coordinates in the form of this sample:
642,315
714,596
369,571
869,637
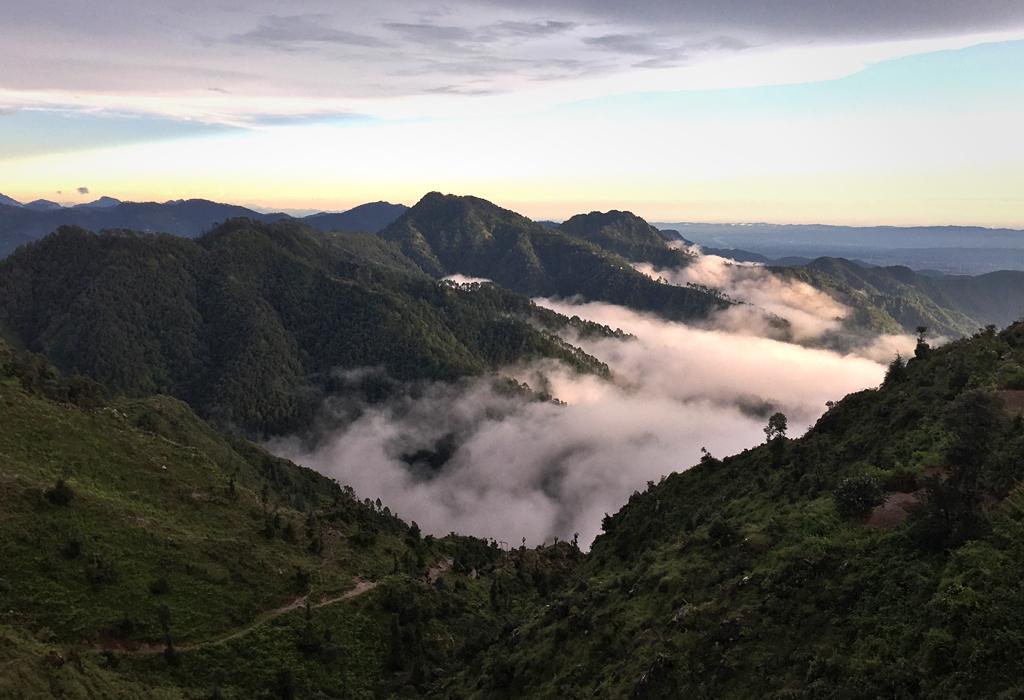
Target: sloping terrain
761,575
446,234
146,555
250,323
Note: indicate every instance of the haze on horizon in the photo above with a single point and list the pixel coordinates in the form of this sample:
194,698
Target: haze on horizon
848,113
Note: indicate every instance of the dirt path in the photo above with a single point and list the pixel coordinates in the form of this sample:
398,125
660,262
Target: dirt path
357,590
360,588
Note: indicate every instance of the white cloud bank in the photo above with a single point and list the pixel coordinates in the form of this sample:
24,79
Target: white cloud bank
539,470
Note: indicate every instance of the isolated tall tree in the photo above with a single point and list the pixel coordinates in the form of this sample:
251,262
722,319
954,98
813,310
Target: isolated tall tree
777,426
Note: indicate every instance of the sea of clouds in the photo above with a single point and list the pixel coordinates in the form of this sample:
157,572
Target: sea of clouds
515,468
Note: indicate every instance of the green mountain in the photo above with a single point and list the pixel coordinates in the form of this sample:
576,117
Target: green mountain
625,234
880,555
147,555
949,305
250,323
445,234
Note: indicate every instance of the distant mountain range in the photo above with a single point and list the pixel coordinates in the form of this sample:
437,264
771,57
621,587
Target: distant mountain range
22,223
947,249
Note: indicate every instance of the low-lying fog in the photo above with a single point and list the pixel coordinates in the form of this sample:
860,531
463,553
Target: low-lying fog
508,468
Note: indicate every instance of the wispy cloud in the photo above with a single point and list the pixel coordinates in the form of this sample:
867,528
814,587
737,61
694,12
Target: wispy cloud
300,32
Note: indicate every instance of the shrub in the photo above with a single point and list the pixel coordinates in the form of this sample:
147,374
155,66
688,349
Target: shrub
856,496
60,494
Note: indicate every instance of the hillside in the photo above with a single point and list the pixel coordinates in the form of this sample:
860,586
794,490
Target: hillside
366,218
950,305
251,323
446,234
146,555
877,556
625,234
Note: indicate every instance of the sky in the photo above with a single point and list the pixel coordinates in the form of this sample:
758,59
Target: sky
796,111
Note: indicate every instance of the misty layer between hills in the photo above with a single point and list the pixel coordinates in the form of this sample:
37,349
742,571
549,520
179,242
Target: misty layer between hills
473,457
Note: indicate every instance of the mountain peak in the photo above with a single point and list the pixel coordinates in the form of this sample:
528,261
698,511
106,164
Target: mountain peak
626,234
100,203
43,205
8,201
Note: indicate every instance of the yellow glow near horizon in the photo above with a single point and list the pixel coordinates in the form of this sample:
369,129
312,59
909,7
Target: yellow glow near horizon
857,169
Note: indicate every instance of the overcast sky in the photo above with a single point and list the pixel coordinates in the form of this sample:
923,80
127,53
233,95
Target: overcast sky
707,109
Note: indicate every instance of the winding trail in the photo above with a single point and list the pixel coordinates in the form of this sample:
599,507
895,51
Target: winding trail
361,587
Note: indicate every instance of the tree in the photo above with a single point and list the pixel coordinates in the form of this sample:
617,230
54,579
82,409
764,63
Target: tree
777,426
856,496
896,372
922,348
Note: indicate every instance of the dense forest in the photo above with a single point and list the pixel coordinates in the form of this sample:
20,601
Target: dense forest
446,234
250,323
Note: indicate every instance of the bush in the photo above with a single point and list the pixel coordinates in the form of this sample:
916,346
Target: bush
60,494
856,496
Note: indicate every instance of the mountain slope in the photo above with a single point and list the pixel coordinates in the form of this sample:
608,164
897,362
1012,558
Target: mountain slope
445,234
366,218
626,234
877,556
146,555
8,202
948,305
191,218
250,323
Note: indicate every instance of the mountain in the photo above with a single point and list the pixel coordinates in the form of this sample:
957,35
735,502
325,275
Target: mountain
42,205
250,323
102,202
963,250
447,234
626,234
8,202
146,555
366,218
879,555
950,305
191,218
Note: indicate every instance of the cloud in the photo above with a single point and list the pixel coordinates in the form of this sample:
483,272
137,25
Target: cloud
431,33
811,313
83,190
795,20
298,32
465,279
473,458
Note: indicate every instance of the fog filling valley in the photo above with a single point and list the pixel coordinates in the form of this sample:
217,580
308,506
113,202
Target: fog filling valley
475,458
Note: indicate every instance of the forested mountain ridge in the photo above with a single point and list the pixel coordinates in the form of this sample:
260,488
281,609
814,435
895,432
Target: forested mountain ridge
950,305
626,234
146,555
249,323
20,224
447,234
879,555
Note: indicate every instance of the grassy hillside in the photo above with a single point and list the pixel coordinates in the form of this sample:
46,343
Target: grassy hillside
146,555
249,323
445,234
877,556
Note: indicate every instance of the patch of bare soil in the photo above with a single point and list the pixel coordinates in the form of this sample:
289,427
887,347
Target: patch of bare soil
893,510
